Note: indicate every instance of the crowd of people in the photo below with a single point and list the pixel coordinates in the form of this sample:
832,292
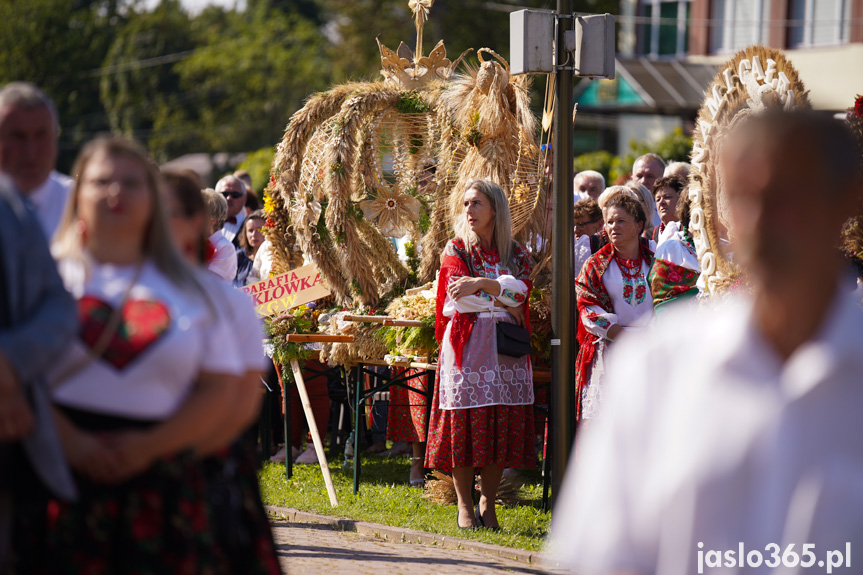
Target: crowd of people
124,409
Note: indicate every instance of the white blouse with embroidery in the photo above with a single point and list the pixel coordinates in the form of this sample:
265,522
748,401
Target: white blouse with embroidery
513,293
631,313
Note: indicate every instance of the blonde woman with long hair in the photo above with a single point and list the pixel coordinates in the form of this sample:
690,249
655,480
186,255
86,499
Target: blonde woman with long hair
145,384
482,411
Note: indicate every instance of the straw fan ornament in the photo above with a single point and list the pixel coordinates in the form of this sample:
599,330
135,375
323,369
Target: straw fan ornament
367,162
754,80
852,231
488,132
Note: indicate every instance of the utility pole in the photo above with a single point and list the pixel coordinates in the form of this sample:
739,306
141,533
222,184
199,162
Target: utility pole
562,396
566,45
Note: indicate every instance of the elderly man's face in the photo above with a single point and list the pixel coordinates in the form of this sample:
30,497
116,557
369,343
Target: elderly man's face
588,185
234,192
783,222
28,145
646,172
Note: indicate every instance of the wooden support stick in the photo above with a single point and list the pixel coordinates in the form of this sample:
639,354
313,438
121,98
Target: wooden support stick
318,338
384,320
313,429
416,290
368,318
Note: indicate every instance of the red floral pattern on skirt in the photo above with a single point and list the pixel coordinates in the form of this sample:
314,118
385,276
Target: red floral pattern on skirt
406,417
492,435
157,522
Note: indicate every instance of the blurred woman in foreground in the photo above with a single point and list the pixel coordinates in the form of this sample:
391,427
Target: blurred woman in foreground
147,382
241,525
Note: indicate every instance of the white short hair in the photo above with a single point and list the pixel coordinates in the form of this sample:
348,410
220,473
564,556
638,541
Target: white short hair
594,175
677,168
220,185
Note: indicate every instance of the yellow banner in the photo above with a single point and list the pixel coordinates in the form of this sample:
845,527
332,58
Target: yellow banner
291,289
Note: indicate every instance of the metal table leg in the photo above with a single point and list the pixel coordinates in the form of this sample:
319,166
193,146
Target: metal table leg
357,421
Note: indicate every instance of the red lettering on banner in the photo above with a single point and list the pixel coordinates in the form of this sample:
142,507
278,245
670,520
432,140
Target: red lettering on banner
278,292
304,283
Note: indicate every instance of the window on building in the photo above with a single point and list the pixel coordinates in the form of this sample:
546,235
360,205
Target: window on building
664,27
736,24
818,22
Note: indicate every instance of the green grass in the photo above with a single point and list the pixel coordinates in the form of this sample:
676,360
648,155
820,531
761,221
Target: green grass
386,498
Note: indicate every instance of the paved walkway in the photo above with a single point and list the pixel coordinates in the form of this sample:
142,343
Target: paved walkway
319,549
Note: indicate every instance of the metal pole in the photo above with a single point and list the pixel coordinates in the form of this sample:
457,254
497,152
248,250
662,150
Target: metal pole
562,286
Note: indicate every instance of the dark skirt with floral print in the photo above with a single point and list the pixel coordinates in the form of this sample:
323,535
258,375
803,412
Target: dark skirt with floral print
158,522
242,529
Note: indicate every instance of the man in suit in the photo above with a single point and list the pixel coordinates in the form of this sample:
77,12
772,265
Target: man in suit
37,318
233,190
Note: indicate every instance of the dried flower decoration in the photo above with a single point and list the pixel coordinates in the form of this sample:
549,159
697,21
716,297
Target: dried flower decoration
392,210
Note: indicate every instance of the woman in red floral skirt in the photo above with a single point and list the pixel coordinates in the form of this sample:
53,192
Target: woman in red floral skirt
481,415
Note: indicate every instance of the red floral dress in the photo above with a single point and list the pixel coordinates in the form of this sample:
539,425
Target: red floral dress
406,416
476,437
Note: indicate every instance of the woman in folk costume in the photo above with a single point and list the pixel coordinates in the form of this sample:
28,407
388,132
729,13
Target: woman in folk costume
612,296
481,414
675,270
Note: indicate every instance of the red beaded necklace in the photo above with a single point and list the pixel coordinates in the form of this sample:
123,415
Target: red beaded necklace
630,269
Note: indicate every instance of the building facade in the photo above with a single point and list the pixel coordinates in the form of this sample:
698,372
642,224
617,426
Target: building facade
668,51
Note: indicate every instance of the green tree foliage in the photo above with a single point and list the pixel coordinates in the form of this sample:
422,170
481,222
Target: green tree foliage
600,161
258,164
220,80
139,87
252,71
57,45
674,147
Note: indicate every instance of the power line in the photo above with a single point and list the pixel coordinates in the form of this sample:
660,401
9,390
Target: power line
139,64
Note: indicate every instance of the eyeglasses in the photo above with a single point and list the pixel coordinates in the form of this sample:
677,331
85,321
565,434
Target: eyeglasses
582,225
233,195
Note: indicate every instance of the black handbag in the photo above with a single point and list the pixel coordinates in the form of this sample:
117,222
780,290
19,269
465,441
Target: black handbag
512,339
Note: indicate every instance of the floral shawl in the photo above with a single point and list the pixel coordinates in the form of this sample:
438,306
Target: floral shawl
457,261
669,281
590,291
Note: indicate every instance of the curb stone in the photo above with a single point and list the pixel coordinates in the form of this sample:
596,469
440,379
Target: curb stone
404,535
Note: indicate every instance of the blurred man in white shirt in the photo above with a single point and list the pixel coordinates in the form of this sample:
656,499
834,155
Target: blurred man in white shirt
29,130
732,434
